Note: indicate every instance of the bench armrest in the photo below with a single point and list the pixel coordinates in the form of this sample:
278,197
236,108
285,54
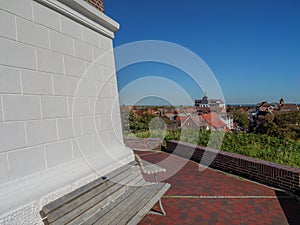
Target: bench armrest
147,167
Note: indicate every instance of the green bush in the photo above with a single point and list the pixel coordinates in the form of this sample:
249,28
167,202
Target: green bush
261,146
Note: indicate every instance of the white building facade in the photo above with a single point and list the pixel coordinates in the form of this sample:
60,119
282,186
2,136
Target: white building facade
59,112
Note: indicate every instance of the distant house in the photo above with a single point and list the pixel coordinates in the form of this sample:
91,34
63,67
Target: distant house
227,119
206,105
288,108
214,122
203,103
264,108
216,103
193,121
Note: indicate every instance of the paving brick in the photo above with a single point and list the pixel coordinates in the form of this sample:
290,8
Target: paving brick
279,208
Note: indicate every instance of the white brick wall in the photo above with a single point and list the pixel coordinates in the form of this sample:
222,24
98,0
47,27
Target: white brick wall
90,37
46,16
17,54
88,125
36,82
49,61
85,144
74,66
83,50
61,43
28,161
71,28
41,131
1,113
7,24
87,88
54,106
43,58
21,8
3,168
12,136
32,33
64,85
21,107
79,106
9,80
66,129
58,153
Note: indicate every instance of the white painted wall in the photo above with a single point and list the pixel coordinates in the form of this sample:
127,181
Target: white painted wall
58,123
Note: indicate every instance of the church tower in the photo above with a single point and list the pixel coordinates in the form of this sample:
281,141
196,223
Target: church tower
281,102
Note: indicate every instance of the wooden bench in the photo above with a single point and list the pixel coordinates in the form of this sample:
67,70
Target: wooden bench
121,197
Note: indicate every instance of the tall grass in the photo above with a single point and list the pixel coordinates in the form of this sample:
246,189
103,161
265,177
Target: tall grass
286,152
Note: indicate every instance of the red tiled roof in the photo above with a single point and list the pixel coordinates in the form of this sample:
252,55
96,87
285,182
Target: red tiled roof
181,118
291,107
193,121
214,120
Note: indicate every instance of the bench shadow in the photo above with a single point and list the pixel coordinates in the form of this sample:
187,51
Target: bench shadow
290,206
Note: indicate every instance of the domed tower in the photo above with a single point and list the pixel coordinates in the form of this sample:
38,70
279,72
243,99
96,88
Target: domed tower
281,102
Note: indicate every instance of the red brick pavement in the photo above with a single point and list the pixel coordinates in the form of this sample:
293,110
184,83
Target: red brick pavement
211,197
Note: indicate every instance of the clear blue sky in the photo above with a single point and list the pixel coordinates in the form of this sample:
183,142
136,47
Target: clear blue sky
253,47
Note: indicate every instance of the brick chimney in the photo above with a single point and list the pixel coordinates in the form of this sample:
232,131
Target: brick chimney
98,4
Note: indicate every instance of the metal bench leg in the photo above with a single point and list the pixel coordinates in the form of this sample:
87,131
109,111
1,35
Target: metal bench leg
162,213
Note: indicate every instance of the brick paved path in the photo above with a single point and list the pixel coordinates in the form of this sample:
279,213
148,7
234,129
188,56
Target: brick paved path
211,197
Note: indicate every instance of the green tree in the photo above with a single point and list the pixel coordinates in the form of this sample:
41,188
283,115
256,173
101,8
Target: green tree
240,117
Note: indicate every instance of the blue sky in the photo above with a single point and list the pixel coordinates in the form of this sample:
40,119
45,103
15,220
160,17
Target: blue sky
252,47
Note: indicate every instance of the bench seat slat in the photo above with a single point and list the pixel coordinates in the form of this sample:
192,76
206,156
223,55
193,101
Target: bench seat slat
139,215
103,195
148,199
101,213
138,196
103,204
89,194
72,195
123,198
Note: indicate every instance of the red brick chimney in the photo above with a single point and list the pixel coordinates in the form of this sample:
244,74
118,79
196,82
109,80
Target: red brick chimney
98,4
